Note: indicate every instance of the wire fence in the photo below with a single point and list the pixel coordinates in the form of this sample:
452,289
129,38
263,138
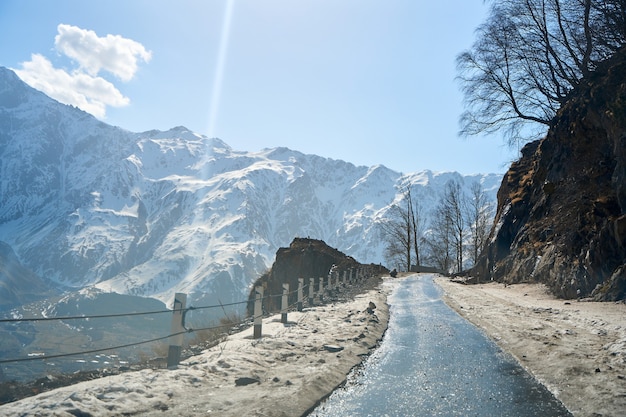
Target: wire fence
249,319
99,316
143,313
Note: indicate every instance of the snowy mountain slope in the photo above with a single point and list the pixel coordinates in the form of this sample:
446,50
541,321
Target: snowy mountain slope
86,204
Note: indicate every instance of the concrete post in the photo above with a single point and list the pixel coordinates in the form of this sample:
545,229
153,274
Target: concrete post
258,312
330,284
321,291
284,304
177,329
300,295
311,291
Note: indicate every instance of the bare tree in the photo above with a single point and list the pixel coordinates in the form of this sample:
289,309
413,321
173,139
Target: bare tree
480,215
607,25
454,204
459,226
439,240
448,230
528,56
402,232
396,234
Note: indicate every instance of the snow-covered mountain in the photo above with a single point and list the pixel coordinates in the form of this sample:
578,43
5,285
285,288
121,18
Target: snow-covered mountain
84,204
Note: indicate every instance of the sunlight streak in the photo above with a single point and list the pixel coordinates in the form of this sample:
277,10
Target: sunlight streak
219,67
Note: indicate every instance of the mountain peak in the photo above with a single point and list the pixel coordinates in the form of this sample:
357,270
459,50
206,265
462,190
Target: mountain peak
8,75
13,91
86,204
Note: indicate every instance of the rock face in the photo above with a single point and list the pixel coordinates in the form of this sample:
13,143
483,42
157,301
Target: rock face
304,258
561,215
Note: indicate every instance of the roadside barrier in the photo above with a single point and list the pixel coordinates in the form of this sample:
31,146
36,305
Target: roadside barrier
351,277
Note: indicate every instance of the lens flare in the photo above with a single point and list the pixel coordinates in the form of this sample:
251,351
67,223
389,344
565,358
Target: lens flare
219,67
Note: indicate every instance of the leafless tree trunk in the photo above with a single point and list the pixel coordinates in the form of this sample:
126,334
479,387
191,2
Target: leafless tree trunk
416,222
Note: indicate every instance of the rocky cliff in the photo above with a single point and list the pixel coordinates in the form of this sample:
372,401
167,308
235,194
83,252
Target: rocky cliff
304,258
561,215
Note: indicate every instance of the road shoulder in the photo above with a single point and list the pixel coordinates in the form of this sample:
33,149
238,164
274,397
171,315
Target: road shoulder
577,349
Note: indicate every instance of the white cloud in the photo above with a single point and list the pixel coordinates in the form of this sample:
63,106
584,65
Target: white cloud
111,53
91,94
82,87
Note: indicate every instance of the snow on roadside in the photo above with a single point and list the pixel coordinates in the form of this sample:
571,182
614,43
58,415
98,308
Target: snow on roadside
284,373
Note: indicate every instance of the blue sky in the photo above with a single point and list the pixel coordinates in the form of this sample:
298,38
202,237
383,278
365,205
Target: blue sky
366,81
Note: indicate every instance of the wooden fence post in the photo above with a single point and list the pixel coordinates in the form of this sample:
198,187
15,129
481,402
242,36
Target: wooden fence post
311,291
177,330
300,295
258,312
284,304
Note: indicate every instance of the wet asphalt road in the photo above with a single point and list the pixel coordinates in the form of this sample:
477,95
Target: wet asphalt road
432,362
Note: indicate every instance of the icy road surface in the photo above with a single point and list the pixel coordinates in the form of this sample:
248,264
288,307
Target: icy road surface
432,362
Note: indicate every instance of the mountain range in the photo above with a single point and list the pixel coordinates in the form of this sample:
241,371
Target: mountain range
92,207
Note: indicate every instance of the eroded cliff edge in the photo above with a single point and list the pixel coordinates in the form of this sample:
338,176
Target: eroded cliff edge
561,216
